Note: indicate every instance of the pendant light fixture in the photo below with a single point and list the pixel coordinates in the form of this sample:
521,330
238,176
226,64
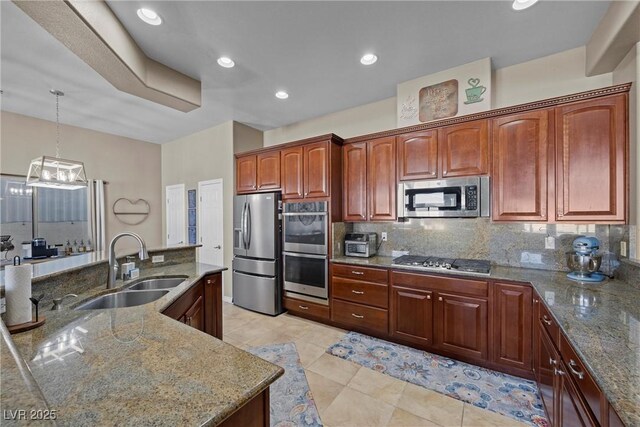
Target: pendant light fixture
54,172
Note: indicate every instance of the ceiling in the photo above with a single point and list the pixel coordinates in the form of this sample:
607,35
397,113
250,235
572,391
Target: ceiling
310,49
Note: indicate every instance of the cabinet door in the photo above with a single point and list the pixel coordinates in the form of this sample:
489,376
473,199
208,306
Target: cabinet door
521,144
572,411
291,168
246,173
268,171
354,182
194,316
316,170
412,315
213,305
512,320
381,178
461,326
546,378
591,146
418,155
464,149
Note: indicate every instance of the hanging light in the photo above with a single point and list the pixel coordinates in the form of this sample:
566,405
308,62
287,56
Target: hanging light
54,172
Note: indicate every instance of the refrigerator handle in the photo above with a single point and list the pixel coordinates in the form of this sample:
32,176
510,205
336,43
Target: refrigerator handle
248,225
244,225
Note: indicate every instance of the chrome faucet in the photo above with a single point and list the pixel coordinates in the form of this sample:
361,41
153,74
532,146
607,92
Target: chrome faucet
113,262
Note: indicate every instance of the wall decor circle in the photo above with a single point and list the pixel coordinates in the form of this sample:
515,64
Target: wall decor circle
131,212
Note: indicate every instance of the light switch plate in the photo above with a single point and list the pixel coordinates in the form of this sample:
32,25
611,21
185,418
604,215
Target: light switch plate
550,242
384,236
623,248
157,258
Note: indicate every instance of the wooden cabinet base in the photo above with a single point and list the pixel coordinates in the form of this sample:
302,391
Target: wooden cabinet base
307,309
254,414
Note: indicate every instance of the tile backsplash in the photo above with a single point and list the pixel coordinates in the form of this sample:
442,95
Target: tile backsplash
529,245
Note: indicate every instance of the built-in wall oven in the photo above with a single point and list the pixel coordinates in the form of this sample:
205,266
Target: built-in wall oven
305,232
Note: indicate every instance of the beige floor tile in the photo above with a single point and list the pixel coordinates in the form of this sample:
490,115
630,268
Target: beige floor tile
354,409
244,335
432,406
334,368
323,389
377,385
308,353
268,337
322,336
476,417
402,418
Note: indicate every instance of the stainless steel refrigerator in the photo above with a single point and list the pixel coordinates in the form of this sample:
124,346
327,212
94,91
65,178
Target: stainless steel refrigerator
257,250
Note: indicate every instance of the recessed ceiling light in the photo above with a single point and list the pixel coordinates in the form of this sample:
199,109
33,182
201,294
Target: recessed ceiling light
225,62
523,4
282,94
368,59
149,16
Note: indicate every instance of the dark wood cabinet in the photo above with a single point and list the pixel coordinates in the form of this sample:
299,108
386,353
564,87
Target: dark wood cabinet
307,309
359,316
591,153
254,413
292,177
316,169
418,155
461,326
546,377
268,167
512,325
571,411
246,174
381,179
411,315
520,167
464,149
354,182
200,306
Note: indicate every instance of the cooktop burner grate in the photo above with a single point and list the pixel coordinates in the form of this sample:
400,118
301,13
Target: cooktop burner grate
444,264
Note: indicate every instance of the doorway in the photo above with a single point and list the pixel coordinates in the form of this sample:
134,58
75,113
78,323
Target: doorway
210,222
176,215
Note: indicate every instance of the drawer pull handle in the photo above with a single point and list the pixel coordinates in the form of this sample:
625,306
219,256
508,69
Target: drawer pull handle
552,361
572,367
304,307
358,292
546,320
439,298
558,372
428,296
357,273
358,316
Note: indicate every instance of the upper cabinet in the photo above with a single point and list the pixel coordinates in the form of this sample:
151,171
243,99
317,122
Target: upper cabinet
354,182
268,176
464,149
246,174
316,169
418,155
520,170
591,167
292,179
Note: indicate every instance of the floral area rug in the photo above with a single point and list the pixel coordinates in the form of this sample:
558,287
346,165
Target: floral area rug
291,400
507,395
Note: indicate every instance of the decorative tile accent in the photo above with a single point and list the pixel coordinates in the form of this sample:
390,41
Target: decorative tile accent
504,394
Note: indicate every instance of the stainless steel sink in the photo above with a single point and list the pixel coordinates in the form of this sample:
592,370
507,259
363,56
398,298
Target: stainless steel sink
157,283
122,299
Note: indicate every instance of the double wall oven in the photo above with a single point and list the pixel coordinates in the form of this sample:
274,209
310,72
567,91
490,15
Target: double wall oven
305,231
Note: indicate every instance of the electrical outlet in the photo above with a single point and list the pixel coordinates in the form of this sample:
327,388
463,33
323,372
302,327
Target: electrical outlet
157,258
550,242
623,248
384,236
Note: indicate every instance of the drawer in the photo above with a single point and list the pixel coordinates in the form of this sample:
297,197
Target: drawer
306,309
581,377
477,288
360,316
549,324
360,292
360,273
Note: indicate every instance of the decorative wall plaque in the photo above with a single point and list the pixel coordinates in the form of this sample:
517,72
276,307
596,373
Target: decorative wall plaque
439,101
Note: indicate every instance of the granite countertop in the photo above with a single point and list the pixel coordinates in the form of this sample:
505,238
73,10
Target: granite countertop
606,335
133,366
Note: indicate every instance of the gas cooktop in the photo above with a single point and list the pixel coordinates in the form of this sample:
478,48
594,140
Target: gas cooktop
445,265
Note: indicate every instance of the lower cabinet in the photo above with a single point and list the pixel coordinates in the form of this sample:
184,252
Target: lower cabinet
412,315
200,306
461,326
254,413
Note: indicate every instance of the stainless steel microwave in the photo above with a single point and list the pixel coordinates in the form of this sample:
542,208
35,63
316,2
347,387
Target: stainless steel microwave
451,197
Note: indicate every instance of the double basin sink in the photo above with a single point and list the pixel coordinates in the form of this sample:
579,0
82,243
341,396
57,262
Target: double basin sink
142,292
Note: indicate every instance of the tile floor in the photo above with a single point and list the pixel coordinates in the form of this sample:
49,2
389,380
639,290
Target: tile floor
348,394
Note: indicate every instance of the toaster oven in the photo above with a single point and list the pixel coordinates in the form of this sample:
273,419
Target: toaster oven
362,245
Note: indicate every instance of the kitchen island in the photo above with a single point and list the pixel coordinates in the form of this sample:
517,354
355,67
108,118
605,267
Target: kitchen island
132,366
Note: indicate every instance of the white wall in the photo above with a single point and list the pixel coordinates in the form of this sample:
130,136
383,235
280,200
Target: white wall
554,75
131,167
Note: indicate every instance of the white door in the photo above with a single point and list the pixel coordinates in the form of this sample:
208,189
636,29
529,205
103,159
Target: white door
210,222
176,215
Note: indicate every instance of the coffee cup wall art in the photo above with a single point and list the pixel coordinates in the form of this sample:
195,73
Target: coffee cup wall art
474,93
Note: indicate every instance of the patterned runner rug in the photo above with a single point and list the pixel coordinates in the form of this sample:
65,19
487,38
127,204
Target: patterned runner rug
291,400
507,395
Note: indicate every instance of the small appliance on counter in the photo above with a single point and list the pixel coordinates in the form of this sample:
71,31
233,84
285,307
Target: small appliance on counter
363,245
39,249
584,260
